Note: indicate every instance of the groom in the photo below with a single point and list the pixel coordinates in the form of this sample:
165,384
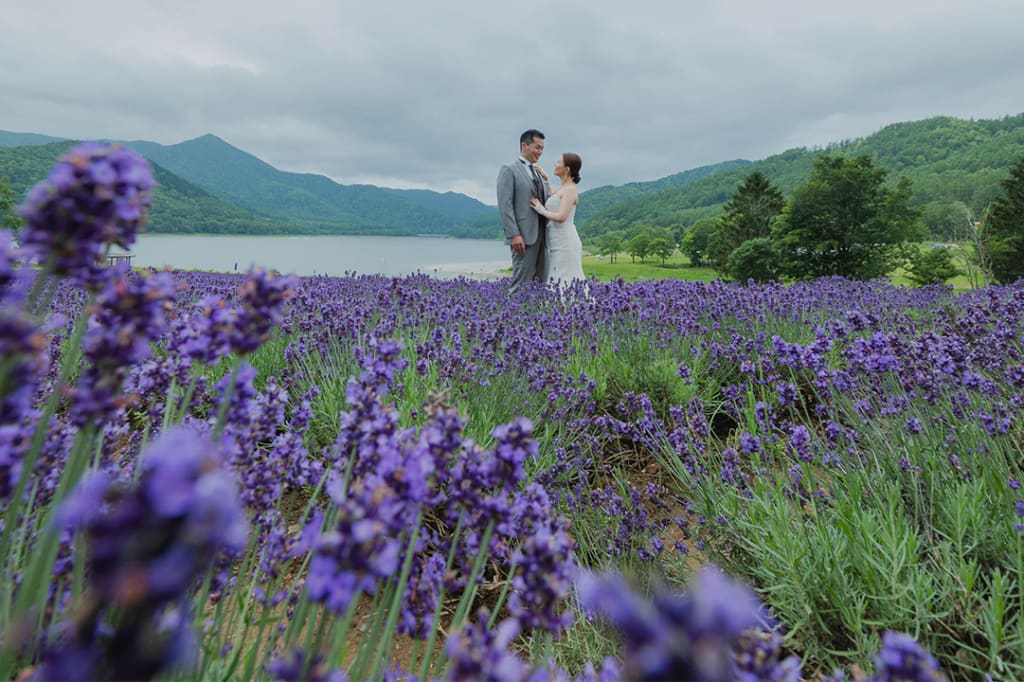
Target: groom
518,182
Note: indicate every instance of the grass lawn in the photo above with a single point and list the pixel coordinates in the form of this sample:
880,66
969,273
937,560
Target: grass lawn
677,267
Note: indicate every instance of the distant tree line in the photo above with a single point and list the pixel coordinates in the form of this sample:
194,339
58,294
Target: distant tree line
847,219
956,167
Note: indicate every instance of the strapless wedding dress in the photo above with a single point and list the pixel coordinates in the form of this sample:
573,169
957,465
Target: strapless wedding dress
563,250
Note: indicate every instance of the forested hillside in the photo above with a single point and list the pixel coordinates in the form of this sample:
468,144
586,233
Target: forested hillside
207,185
10,139
178,205
948,159
243,179
249,195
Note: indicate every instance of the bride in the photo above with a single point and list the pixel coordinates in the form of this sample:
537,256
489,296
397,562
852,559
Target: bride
563,250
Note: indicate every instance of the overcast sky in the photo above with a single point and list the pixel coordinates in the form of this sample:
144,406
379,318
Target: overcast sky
434,94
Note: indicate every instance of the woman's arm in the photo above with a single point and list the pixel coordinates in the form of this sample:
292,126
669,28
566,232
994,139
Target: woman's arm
569,199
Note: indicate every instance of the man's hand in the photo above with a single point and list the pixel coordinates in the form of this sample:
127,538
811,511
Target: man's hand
518,244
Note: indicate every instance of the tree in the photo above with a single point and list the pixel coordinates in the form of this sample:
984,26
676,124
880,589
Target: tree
609,244
754,259
662,248
1004,229
932,266
944,220
694,244
8,202
748,215
639,246
845,221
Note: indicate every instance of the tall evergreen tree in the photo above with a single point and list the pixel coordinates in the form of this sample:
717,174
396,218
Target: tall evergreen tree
845,221
748,215
1004,229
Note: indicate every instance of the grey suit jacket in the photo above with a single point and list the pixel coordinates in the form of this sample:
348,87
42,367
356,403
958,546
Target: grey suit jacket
515,189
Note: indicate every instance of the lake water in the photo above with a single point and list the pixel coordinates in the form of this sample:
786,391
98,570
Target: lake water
314,255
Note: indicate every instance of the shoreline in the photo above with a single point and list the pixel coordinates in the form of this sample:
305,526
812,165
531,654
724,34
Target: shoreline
482,270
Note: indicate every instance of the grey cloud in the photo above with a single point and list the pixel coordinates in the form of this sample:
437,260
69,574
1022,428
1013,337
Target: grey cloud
435,94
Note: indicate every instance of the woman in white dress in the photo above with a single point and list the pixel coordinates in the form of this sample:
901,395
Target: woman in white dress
563,250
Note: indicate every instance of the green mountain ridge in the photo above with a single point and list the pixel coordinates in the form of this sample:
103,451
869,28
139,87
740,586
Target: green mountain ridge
241,178
178,205
249,189
11,139
948,159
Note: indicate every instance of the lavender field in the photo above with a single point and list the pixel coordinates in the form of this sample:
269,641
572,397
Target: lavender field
266,477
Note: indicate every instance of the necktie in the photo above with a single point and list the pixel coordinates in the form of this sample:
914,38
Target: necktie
537,187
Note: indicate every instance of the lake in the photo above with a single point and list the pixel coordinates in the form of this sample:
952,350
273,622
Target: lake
317,255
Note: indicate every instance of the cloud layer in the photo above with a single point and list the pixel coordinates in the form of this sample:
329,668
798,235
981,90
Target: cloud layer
434,95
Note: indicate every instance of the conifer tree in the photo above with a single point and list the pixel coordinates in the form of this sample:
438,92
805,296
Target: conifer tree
1004,229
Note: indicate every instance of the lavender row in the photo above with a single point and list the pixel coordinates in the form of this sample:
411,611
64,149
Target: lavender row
219,474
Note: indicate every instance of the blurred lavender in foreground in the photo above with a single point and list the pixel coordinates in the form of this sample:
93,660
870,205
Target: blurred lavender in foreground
96,195
148,543
479,652
22,348
691,636
902,659
297,667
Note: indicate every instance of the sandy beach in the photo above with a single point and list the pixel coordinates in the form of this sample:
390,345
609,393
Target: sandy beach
475,270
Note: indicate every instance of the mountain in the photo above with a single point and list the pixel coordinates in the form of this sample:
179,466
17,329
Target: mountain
241,178
948,159
209,180
452,204
606,196
9,139
293,202
178,205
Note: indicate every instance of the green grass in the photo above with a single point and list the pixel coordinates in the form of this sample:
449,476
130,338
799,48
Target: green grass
899,278
679,267
676,267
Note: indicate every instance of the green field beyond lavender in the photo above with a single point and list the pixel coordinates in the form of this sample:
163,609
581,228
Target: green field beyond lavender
255,477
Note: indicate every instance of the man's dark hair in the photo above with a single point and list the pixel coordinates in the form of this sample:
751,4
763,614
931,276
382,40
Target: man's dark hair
529,135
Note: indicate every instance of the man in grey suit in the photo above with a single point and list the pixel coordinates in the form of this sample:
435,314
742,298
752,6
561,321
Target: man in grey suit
518,182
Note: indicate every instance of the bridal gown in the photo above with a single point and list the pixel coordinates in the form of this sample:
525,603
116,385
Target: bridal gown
563,251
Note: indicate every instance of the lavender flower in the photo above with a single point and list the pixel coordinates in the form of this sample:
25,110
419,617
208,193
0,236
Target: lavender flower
147,544
262,300
14,278
426,580
544,566
902,659
205,335
513,448
22,368
22,345
478,653
128,314
302,667
96,195
358,551
760,660
676,637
